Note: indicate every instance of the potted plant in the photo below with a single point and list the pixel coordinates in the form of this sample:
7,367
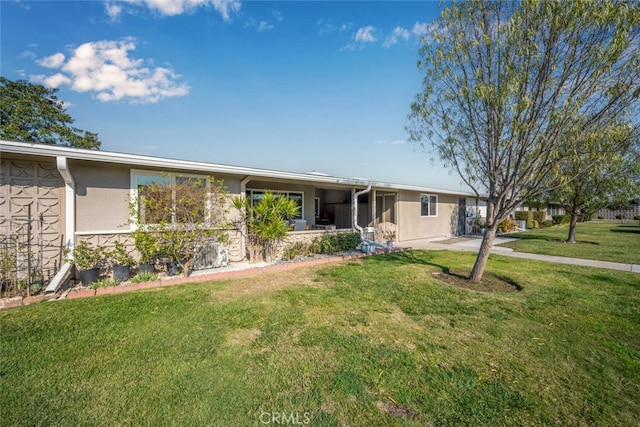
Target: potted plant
122,262
481,224
389,236
85,258
147,246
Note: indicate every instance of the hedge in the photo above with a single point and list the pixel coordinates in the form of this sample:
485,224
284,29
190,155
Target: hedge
525,216
561,219
540,216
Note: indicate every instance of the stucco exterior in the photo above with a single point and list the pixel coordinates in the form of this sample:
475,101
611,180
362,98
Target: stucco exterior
85,194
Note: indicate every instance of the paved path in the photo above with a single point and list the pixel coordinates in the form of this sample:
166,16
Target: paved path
473,245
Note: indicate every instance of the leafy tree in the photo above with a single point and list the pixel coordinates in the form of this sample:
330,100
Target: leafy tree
179,218
512,88
266,222
606,171
33,113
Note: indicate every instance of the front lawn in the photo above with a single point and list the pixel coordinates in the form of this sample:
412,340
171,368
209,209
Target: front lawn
604,241
373,342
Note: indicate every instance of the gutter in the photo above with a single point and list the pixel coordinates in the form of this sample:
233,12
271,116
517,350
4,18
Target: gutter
354,204
64,273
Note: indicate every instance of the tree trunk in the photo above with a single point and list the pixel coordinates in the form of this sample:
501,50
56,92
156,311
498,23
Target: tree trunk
483,254
572,226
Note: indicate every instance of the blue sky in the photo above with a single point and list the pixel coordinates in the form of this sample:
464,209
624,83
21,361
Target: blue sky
298,85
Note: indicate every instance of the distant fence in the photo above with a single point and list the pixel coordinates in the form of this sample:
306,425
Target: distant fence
613,213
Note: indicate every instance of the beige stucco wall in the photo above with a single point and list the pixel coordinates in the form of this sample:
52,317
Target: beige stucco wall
412,226
102,196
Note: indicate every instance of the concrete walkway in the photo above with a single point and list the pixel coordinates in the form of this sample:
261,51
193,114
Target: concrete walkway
473,245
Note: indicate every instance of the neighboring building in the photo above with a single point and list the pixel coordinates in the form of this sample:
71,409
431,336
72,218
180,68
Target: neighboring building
72,194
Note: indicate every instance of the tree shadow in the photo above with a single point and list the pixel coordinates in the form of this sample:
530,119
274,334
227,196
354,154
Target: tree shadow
631,231
490,281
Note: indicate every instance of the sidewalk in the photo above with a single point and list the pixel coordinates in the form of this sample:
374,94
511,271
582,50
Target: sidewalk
473,245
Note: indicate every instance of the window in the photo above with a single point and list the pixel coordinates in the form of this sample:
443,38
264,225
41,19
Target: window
428,205
161,198
256,195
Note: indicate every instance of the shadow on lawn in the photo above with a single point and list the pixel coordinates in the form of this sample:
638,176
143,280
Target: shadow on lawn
490,281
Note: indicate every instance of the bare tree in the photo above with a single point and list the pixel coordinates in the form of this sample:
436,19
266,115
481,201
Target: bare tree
511,88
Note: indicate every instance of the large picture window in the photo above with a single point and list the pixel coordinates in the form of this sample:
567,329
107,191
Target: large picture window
256,195
428,205
161,198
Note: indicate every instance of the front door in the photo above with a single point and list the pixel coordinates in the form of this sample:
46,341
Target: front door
462,214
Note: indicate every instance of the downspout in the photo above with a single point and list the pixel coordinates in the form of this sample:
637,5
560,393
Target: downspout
243,238
354,203
65,271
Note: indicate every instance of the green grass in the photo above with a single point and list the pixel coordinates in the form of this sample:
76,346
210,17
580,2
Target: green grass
604,241
377,342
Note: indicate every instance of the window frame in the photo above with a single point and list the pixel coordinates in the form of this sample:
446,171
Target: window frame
250,191
429,204
134,192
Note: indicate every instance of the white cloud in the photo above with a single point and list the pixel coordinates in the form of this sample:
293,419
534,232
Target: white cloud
225,8
105,68
277,15
53,61
365,34
420,28
328,27
264,25
259,26
112,9
397,34
27,54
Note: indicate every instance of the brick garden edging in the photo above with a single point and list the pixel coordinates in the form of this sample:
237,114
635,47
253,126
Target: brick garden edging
172,281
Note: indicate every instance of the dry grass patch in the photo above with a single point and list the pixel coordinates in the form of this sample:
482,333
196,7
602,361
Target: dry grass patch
267,282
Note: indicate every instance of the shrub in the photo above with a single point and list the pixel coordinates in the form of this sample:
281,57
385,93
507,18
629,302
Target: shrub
540,216
600,216
86,256
104,283
120,255
619,216
332,243
143,276
525,216
294,250
535,224
547,223
561,219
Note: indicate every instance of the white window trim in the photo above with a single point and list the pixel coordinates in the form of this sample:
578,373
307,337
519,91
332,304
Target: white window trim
282,192
430,215
133,189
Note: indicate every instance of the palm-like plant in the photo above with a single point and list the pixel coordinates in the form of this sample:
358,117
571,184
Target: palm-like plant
266,222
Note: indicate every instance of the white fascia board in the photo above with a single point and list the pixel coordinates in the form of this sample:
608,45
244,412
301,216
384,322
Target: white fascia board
187,165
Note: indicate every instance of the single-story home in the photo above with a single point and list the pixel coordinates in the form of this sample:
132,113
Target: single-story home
69,194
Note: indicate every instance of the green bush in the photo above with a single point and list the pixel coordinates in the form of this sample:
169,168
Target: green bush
547,223
535,224
600,216
540,216
104,283
525,216
294,250
143,276
332,243
561,219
